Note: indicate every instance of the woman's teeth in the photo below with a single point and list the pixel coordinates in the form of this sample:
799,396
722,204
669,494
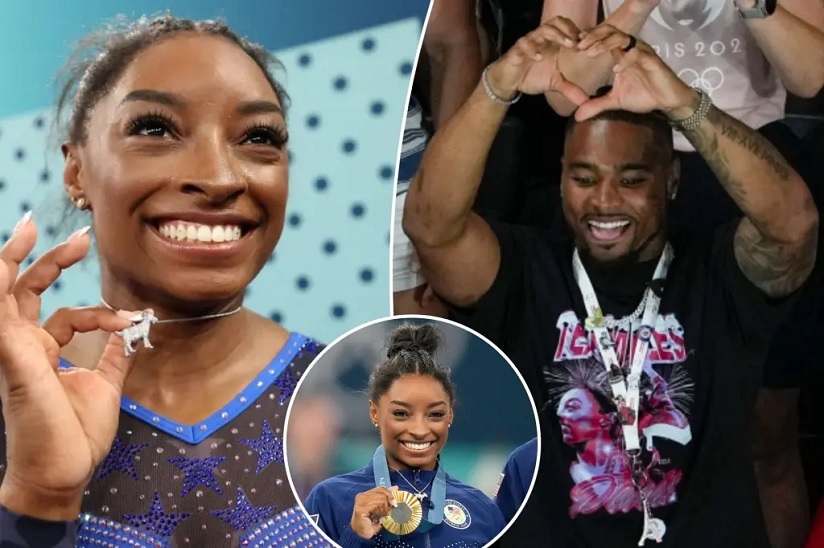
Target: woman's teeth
416,446
192,232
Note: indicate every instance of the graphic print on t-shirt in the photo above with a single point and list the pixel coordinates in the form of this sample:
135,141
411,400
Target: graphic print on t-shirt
696,14
580,395
699,57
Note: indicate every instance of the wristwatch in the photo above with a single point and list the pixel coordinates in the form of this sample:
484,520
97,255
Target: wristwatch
762,9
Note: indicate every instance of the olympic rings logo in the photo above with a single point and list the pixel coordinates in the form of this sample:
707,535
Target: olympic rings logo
709,80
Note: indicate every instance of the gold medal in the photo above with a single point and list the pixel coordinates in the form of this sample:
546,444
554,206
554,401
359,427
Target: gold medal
406,516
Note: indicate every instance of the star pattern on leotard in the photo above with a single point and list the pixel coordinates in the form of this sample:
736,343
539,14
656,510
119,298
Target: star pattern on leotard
121,459
157,520
198,472
286,383
269,447
310,346
243,515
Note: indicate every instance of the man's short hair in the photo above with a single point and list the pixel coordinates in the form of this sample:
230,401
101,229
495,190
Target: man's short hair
656,121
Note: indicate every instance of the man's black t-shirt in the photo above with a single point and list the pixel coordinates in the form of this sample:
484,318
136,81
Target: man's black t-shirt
698,388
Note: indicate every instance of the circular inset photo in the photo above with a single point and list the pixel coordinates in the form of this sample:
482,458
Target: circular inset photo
411,431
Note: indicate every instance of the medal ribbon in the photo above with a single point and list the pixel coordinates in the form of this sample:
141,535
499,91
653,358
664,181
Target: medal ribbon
432,517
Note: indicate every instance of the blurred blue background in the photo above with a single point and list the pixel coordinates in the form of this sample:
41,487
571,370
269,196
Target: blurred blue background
329,431
347,65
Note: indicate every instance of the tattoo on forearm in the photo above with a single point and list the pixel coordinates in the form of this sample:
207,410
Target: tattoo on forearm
776,268
757,145
706,142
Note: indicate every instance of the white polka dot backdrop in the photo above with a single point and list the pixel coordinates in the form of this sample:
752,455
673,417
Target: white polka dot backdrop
330,271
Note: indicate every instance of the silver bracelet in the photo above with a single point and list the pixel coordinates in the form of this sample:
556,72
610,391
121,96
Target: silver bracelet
491,94
700,114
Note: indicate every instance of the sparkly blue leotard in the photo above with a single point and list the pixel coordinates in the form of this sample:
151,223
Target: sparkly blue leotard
220,482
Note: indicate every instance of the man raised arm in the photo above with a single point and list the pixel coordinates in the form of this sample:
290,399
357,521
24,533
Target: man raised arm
775,244
458,251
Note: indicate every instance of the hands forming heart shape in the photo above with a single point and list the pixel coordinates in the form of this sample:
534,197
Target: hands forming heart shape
642,82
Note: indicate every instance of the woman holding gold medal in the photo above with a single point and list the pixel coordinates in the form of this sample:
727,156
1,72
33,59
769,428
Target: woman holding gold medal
404,497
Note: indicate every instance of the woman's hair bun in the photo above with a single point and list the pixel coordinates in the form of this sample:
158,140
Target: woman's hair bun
413,338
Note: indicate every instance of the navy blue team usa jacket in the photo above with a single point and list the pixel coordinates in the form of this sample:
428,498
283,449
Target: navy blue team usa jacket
516,478
470,518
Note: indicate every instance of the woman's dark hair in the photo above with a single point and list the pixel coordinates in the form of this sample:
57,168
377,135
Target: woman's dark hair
588,375
411,351
103,56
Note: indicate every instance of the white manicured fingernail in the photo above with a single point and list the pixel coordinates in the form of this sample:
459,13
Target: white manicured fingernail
23,221
80,233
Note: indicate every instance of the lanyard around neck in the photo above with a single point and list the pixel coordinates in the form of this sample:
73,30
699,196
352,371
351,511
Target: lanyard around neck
625,390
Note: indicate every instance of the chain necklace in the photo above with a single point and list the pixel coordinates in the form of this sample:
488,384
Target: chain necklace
419,493
177,320
625,323
142,322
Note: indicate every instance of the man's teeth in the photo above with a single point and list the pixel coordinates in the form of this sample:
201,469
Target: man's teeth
416,446
193,232
609,225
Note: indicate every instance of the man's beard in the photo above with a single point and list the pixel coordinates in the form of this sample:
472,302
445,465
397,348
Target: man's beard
633,256
612,263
